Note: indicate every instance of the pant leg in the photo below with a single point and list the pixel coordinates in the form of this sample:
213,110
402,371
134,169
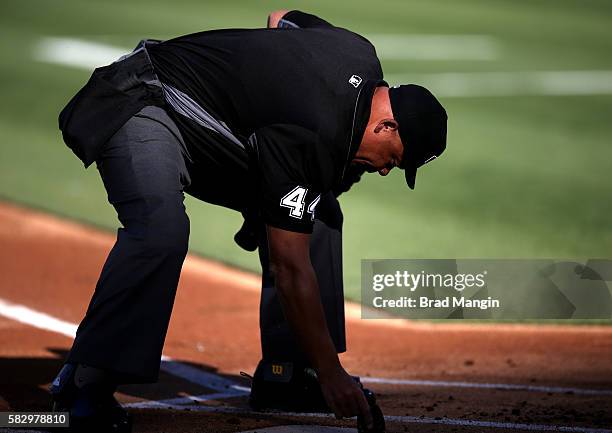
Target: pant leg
278,342
126,322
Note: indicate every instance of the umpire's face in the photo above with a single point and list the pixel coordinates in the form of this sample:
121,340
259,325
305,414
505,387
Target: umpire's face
381,148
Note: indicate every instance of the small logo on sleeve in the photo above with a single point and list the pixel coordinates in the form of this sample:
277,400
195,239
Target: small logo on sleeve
355,81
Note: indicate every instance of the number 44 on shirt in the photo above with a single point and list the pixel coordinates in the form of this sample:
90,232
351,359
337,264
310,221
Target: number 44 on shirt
295,201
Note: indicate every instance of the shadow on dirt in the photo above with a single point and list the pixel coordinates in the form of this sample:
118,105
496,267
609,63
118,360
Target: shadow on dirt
24,383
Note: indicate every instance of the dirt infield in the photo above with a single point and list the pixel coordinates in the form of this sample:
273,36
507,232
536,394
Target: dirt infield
429,377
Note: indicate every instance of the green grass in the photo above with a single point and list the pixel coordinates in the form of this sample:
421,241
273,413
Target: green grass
523,176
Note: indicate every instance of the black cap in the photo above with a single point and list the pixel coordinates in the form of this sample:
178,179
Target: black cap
422,126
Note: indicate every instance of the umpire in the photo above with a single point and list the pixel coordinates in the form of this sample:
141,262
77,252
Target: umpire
273,123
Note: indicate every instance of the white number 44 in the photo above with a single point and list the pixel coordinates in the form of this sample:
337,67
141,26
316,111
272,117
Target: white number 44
295,201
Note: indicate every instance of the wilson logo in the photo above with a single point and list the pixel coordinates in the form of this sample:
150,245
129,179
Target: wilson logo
277,369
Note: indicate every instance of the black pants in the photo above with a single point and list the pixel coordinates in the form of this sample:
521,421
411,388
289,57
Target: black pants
126,322
144,173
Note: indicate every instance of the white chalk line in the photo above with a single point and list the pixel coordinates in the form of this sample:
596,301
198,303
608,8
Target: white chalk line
237,391
499,386
28,316
494,424
200,377
84,54
396,419
184,401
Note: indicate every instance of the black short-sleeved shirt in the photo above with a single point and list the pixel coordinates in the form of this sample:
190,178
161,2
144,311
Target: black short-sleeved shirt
299,96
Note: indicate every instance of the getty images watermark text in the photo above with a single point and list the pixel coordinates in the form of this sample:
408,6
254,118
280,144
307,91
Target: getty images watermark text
487,289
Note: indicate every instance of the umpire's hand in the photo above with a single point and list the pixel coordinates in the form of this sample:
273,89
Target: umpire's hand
343,395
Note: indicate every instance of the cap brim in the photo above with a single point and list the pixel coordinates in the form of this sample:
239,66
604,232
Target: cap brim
410,173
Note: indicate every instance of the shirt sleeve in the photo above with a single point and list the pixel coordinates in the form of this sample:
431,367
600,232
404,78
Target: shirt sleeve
288,196
299,19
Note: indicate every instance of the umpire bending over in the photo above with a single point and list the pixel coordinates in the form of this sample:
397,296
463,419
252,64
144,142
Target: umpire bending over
273,123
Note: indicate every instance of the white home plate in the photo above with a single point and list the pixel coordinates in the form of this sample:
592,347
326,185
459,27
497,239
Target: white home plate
302,429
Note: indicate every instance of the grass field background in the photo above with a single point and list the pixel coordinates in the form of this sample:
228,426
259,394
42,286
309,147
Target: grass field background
524,175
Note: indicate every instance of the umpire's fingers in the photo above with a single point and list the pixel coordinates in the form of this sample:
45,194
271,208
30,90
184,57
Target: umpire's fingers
364,410
335,404
343,406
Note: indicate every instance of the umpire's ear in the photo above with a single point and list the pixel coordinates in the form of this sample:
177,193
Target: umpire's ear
275,17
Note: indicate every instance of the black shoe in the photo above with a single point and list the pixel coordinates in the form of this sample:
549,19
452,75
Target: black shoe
286,386
92,407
